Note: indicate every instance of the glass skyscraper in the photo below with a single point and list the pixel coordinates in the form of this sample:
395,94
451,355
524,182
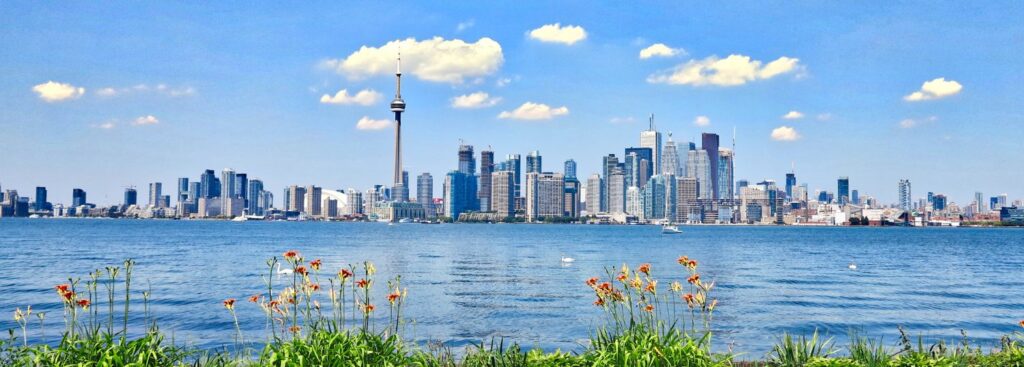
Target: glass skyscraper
709,143
534,162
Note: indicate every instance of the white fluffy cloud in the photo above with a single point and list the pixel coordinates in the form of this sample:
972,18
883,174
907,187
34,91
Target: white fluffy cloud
660,50
52,91
730,71
785,133
702,121
164,89
475,100
366,123
935,89
145,120
534,111
556,33
364,97
793,115
105,125
434,60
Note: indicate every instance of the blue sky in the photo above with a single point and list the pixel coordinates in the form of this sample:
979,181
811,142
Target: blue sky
164,90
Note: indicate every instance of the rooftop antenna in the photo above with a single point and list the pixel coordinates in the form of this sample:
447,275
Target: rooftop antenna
651,121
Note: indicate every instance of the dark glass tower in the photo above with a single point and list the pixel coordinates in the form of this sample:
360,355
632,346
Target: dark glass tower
709,142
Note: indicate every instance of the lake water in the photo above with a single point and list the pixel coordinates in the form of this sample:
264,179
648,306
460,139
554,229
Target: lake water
472,282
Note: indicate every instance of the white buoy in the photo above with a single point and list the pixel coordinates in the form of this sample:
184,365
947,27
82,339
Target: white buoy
852,266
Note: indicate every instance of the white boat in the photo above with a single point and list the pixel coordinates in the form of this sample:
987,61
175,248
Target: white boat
670,229
240,218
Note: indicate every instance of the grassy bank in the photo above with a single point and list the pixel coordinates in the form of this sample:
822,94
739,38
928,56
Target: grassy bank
327,318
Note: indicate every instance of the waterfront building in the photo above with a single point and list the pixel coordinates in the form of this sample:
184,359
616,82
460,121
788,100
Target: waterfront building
1011,214
688,208
843,191
467,164
458,196
370,201
638,166
266,201
40,203
610,163
709,143
227,185
425,191
790,183
595,195
570,169
534,163
572,197
725,173
904,195
699,166
616,192
155,189
252,201
654,198
545,195
241,187
671,198
131,197
739,184
78,198
939,202
634,202
210,185
670,159
183,186
296,199
232,206
651,138
513,163
855,197
486,168
503,193
314,198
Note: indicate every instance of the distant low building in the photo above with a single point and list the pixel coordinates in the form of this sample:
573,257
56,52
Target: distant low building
1011,215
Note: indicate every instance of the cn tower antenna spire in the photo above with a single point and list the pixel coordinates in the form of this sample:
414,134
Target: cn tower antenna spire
398,106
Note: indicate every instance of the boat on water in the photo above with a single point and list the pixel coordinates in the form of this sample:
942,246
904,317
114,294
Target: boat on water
240,218
670,229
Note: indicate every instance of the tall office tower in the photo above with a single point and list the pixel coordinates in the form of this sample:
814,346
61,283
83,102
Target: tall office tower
458,196
486,167
634,202
904,195
709,143
855,197
210,184
425,189
241,187
637,167
266,201
671,198
570,169
1003,199
183,187
651,138
790,182
654,198
843,190
40,199
155,191
616,192
467,164
252,203
370,199
513,163
931,198
978,200
227,185
131,197
993,203
699,166
398,106
78,198
545,195
739,184
533,162
572,197
687,207
503,189
286,198
725,173
314,196
595,195
939,202
355,202
670,159
296,199
609,164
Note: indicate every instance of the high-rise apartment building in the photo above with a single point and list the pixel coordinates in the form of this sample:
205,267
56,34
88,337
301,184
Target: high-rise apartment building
131,197
616,192
545,195
513,163
709,143
570,169
503,193
843,190
610,164
155,192
699,167
458,196
638,166
314,200
40,203
595,195
425,189
78,198
252,202
296,199
483,194
534,162
725,173
790,183
904,195
572,197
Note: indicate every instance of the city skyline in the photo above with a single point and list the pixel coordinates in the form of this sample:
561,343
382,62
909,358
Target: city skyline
129,120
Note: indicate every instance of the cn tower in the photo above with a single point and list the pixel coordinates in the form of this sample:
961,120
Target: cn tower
398,106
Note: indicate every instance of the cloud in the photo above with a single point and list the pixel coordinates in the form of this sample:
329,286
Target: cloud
164,89
793,115
912,123
465,25
475,100
145,120
935,89
364,97
367,123
555,33
660,50
701,121
622,120
824,116
534,111
105,125
730,71
52,91
785,133
434,60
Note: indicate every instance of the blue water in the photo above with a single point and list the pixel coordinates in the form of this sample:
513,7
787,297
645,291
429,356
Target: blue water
473,282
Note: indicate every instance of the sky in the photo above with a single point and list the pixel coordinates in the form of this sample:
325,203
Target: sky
106,96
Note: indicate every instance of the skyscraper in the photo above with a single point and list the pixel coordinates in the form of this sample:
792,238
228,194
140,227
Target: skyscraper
545,195
503,193
183,187
709,143
425,189
253,203
296,198
457,195
670,159
155,192
687,208
638,166
654,198
904,194
616,192
131,197
78,198
227,185
209,185
513,163
609,164
725,175
241,187
467,163
790,182
651,138
699,166
486,167
570,169
572,197
314,197
398,106
595,194
843,190
534,163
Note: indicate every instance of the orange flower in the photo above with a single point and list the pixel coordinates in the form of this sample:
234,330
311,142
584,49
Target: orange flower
694,279
682,260
362,283
63,288
599,302
367,308
68,296
605,287
84,303
592,281
644,268
621,277
301,270
229,303
295,329
273,303
291,255
688,298
394,296
315,264
652,286
692,264
345,274
314,287
1021,323
649,308
254,298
